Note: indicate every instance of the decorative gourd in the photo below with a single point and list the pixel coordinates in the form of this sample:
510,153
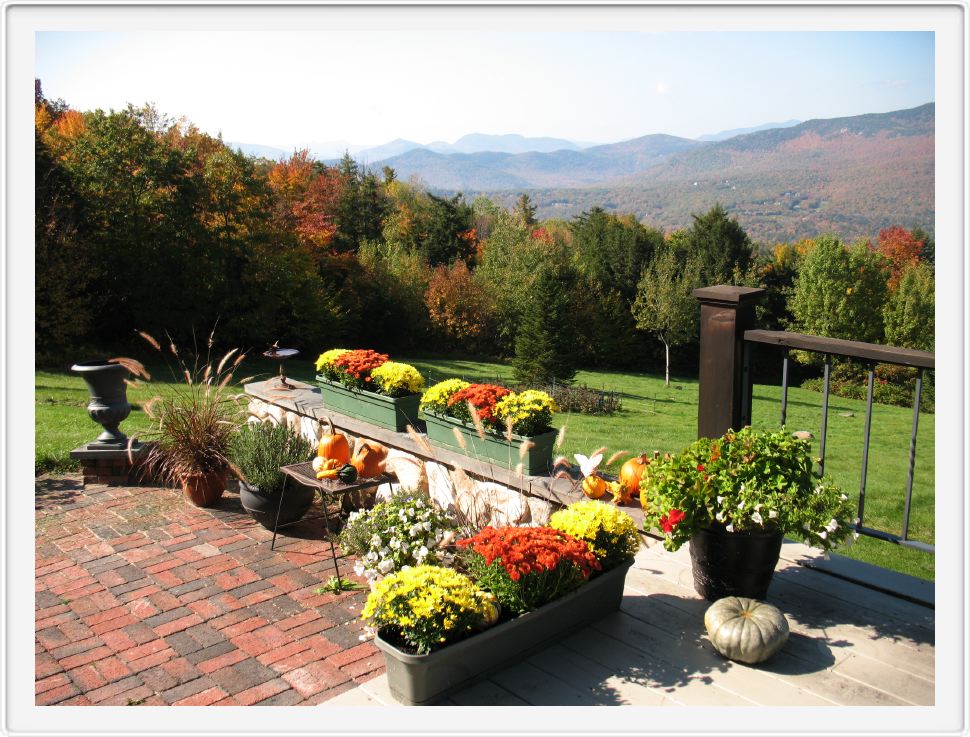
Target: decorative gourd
746,630
620,493
333,444
630,474
324,464
347,474
368,458
594,486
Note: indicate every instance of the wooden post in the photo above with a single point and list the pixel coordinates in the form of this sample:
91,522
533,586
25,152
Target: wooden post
726,312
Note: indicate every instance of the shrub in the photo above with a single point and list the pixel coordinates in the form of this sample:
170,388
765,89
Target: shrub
583,400
427,607
610,532
526,567
260,448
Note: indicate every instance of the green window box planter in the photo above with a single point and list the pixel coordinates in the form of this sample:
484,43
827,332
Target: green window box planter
494,447
424,679
393,413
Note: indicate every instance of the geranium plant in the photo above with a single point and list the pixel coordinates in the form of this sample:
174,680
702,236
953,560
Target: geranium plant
744,481
427,607
526,567
406,530
610,532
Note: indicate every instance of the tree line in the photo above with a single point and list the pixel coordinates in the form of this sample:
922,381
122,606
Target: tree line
147,223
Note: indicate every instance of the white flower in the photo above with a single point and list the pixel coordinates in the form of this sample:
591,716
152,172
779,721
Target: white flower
772,514
843,497
426,526
757,507
757,518
855,535
359,568
719,516
421,554
375,540
395,543
720,500
730,527
832,526
386,566
823,534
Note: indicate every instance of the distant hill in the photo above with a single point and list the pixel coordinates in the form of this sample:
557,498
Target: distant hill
561,168
724,135
259,150
851,176
386,150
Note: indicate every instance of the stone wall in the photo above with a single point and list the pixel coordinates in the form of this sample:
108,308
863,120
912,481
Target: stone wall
483,501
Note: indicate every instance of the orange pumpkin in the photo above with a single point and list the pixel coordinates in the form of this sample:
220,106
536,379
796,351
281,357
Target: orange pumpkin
594,486
333,445
630,474
369,458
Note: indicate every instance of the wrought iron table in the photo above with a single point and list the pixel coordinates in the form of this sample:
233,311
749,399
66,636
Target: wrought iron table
303,474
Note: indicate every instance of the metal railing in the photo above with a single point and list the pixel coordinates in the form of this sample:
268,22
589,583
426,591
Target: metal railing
871,354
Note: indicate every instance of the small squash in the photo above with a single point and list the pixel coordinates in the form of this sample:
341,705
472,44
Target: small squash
630,474
333,444
594,486
745,630
621,494
368,458
347,474
325,464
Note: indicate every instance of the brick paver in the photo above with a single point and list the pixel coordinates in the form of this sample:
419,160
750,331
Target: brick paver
142,598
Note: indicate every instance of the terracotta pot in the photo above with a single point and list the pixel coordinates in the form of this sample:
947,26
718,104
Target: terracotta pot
205,489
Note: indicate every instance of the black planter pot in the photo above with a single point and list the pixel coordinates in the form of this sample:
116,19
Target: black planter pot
109,400
733,563
263,507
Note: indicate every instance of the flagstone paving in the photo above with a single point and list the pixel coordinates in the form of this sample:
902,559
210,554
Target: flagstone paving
142,598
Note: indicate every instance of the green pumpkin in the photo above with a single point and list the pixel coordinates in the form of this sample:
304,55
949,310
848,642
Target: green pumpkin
347,474
745,630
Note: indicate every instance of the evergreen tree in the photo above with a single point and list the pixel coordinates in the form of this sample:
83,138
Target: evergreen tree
718,243
546,341
525,211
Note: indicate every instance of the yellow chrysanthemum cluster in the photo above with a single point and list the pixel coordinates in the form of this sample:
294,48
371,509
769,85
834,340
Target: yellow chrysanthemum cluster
436,398
427,605
397,379
611,533
326,359
530,411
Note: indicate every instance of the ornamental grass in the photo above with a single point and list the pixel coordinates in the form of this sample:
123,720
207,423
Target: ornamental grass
526,567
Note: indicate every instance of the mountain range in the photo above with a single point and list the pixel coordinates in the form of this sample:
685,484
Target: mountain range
852,176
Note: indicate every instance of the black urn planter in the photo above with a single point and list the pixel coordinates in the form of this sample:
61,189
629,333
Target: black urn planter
733,563
263,507
109,400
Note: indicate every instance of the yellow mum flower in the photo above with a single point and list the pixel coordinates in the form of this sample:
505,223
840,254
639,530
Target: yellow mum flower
610,532
397,379
326,358
435,399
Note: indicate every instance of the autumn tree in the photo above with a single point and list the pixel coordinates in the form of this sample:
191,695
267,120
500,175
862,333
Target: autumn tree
664,305
307,200
458,306
901,248
910,312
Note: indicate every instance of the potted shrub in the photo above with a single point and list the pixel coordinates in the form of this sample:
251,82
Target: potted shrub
195,425
493,423
366,385
258,450
734,498
532,586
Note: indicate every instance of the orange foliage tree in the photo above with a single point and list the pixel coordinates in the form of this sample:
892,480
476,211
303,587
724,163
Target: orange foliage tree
902,249
458,305
307,196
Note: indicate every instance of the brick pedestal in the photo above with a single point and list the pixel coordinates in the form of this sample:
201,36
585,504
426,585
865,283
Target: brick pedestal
110,466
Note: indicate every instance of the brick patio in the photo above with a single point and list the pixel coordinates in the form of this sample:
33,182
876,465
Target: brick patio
142,598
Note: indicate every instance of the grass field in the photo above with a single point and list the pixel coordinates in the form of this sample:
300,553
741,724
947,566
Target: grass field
653,417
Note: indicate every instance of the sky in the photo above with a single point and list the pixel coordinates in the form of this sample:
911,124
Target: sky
291,89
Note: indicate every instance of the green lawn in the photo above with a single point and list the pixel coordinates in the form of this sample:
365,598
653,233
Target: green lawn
653,417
